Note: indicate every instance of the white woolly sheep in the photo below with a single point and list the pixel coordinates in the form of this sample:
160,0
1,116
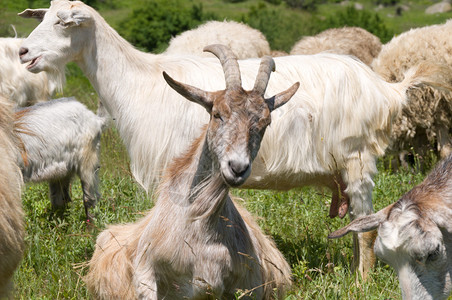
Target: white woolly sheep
346,40
427,120
12,229
61,138
337,124
19,85
415,236
196,243
246,42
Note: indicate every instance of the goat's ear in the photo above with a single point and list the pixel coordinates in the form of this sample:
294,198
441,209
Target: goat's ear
73,17
362,224
282,98
34,13
190,92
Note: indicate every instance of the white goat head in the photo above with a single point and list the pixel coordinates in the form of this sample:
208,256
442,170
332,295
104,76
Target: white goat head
238,117
415,235
56,31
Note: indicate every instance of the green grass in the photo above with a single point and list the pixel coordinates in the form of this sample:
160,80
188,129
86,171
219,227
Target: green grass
57,248
297,220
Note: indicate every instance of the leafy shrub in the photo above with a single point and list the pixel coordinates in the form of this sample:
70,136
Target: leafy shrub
281,27
303,4
151,26
372,22
387,2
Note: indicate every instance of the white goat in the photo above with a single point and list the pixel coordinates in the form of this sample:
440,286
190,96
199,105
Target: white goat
346,40
195,244
245,42
337,124
12,229
415,235
427,120
19,85
62,138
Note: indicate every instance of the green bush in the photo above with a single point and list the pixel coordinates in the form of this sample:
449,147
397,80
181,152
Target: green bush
151,26
281,27
372,22
303,4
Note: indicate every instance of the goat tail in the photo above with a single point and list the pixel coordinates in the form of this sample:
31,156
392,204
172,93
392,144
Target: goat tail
427,73
110,274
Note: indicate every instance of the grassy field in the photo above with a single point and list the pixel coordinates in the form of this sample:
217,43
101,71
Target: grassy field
57,248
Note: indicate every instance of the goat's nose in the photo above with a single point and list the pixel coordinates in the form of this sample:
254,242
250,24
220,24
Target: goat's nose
22,51
239,167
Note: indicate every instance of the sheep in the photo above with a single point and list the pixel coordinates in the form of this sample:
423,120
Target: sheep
346,40
337,124
12,229
427,120
61,138
19,85
415,235
246,42
196,243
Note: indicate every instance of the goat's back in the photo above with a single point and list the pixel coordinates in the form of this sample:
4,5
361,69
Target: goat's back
57,135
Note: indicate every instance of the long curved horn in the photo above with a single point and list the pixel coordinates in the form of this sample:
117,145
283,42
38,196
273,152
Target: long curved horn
266,67
230,65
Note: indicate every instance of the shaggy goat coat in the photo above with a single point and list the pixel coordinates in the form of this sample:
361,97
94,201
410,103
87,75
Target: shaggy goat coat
195,243
12,229
61,138
427,120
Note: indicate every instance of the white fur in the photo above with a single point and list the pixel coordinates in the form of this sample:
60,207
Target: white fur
19,85
415,235
61,138
245,42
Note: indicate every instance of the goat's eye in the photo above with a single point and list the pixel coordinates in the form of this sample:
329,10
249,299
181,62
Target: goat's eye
217,115
61,23
433,255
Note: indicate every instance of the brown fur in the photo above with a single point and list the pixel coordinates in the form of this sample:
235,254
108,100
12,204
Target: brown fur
196,243
12,230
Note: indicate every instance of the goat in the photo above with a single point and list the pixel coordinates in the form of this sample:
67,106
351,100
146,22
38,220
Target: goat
245,42
337,124
346,40
61,138
196,243
19,85
12,228
427,121
415,235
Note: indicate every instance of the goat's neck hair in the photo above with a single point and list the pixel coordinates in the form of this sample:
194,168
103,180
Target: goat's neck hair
194,180
110,59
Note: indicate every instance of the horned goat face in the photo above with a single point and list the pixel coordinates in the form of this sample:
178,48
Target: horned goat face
59,38
238,117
